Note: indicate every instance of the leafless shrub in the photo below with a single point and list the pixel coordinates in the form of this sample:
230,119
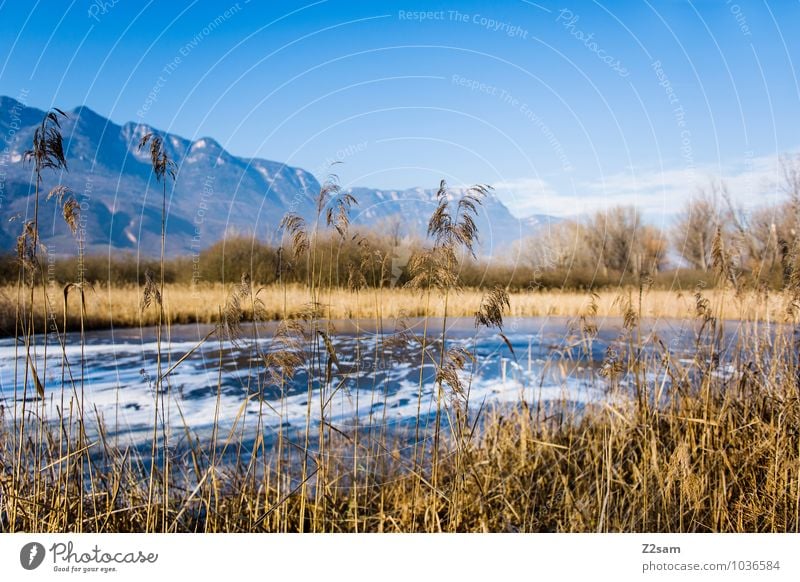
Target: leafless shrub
695,228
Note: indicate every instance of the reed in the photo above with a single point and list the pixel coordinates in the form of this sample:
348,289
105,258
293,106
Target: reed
120,306
163,167
707,454
679,443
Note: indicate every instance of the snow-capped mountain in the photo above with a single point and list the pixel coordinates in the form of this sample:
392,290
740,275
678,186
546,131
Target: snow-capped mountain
215,193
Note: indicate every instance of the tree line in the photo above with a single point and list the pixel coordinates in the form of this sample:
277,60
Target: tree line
607,248
757,246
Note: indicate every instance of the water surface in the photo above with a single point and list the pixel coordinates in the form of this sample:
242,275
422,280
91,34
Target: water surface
376,380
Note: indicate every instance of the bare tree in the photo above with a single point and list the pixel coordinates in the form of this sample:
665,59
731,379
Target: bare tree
767,237
650,254
774,229
695,226
559,246
619,241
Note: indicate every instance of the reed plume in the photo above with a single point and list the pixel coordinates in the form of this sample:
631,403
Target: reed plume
295,225
493,306
48,144
70,209
338,214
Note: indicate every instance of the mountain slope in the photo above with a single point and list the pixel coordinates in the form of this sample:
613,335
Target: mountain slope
215,193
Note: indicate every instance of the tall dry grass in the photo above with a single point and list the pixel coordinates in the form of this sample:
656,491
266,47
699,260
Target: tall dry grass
700,452
119,305
709,442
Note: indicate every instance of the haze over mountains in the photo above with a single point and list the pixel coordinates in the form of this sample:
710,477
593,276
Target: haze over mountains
215,194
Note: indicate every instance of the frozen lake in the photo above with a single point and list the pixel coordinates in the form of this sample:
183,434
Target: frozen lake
378,379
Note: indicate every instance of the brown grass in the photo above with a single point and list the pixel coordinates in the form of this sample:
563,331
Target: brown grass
708,441
121,305
716,456
706,453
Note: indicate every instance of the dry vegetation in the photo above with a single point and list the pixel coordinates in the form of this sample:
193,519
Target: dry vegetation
691,451
120,306
678,445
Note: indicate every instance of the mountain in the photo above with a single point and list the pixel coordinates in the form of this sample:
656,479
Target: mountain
215,193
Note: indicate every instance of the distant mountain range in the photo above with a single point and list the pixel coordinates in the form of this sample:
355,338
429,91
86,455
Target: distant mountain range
216,194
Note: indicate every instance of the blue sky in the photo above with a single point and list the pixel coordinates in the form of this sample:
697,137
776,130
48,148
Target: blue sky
563,107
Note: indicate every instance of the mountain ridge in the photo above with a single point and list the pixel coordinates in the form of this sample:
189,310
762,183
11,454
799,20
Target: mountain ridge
215,193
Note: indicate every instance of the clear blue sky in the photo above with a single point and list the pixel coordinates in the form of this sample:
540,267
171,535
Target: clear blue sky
562,106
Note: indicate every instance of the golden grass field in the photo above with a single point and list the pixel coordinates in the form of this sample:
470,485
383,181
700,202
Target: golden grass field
121,306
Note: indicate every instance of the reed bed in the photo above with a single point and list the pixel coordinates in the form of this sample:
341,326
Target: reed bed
696,453
708,442
120,306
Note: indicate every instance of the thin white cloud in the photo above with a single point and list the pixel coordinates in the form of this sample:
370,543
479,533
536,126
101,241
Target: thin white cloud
524,197
659,194
751,182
